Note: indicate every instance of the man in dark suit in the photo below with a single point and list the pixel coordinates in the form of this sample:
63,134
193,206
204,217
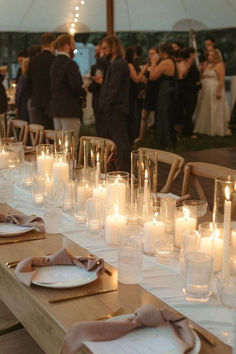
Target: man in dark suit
39,82
66,87
114,101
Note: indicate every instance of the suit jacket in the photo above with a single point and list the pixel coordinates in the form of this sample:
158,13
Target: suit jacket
114,94
66,88
3,96
39,78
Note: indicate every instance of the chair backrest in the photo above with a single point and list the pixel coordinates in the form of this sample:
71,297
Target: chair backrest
17,126
110,148
36,134
193,170
49,136
175,161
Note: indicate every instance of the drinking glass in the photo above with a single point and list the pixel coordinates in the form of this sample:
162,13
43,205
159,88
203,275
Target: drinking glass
16,154
199,205
198,273
94,216
68,196
227,293
130,256
28,172
83,191
189,243
52,219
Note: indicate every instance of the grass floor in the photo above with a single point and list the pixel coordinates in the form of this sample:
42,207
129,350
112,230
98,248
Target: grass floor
184,144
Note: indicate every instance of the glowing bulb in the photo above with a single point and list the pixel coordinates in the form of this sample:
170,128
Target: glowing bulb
227,194
72,30
75,20
76,15
76,8
72,25
82,2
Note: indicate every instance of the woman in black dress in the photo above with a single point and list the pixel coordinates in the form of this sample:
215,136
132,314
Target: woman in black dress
130,56
149,104
166,75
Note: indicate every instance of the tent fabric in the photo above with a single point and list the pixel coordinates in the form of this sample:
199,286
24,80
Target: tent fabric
130,15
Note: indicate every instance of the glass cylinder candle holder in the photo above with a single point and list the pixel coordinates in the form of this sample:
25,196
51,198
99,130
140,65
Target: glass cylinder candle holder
68,196
189,243
65,142
44,159
154,236
211,242
94,216
167,214
38,190
83,191
144,172
94,157
28,173
60,174
100,192
185,219
114,226
224,211
117,190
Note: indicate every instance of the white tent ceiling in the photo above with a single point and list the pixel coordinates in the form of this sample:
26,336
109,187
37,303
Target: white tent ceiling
130,15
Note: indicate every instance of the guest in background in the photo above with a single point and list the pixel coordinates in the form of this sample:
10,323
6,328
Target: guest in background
22,93
39,82
66,87
20,57
97,73
166,74
189,85
176,47
149,104
34,50
3,96
212,111
114,100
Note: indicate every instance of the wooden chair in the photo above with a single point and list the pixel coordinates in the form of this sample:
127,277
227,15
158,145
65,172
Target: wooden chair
18,127
19,342
36,133
49,136
8,321
175,161
110,149
194,170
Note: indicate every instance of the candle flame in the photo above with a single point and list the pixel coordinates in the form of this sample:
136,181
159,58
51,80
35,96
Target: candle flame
117,179
146,174
186,213
227,193
59,141
66,144
97,157
116,209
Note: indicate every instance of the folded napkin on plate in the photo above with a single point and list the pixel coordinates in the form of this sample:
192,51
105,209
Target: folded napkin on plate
25,269
24,220
146,315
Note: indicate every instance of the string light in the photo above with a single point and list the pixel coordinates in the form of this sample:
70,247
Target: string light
77,14
76,8
75,19
72,25
82,2
72,31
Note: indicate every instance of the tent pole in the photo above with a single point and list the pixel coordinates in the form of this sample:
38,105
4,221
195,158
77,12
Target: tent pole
110,17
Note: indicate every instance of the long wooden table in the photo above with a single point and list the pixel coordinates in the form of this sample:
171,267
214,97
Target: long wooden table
47,323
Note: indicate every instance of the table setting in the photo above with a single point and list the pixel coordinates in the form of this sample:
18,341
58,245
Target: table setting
156,241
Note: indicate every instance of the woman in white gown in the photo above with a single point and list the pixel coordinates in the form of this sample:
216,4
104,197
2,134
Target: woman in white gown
212,112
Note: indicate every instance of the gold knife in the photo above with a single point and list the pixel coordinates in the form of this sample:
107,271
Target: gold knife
71,297
21,240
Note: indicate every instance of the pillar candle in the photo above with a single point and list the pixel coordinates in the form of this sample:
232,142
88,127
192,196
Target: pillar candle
152,229
4,157
116,195
183,223
60,173
44,165
100,192
114,228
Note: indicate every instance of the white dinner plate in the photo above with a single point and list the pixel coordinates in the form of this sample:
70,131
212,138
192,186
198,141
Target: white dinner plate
63,276
158,340
7,229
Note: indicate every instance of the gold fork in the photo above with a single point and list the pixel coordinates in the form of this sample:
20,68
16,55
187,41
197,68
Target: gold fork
118,312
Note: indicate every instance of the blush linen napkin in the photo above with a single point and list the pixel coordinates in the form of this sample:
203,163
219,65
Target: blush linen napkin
145,316
25,270
24,220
